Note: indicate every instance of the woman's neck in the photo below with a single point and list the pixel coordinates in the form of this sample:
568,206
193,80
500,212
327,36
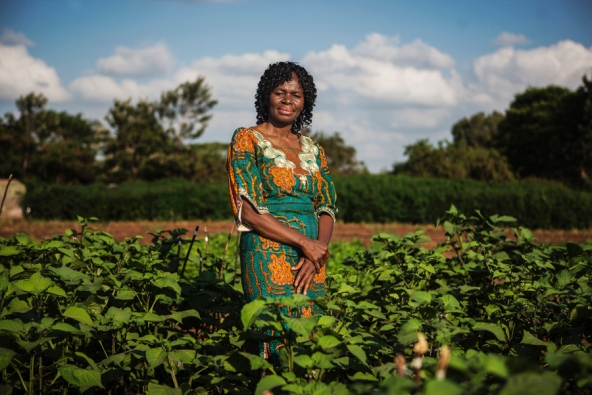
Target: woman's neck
282,132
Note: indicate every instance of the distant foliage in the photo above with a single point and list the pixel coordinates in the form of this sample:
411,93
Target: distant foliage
545,133
362,198
454,161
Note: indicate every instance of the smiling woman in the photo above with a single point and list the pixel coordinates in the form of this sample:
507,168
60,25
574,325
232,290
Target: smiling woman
282,195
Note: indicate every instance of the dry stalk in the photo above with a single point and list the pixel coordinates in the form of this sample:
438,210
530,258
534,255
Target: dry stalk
443,362
5,192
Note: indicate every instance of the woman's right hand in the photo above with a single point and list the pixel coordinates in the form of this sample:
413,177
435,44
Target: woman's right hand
317,252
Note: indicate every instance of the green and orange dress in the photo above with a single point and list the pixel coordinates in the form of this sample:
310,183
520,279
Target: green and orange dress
294,186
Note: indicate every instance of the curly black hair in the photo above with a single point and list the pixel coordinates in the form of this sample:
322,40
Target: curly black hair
276,74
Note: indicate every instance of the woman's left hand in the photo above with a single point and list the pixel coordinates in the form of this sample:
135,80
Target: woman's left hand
306,272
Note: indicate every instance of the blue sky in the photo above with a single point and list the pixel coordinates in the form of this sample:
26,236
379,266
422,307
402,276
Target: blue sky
388,72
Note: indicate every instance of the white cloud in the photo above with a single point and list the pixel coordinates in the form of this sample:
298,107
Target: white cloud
104,88
417,54
10,37
508,71
21,74
382,70
140,62
506,39
418,118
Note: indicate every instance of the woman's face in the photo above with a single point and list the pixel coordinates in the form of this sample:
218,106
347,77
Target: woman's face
286,102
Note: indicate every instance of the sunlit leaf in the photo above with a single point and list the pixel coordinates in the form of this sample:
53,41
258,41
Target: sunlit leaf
79,315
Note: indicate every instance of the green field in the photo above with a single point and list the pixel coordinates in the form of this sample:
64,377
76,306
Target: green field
83,313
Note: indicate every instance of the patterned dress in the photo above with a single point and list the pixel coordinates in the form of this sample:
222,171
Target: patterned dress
292,185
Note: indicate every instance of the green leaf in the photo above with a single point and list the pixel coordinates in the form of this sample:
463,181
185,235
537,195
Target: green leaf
346,288
358,352
563,278
250,312
157,389
79,315
268,383
302,326
449,302
168,282
443,388
10,326
364,376
496,364
244,362
5,357
489,327
87,359
35,284
9,251
16,306
80,377
304,360
421,297
63,327
408,332
532,383
118,316
328,341
55,290
326,321
529,338
449,228
155,357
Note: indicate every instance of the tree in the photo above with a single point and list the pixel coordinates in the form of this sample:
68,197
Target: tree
540,134
185,110
477,131
151,137
139,139
453,161
584,147
44,144
341,157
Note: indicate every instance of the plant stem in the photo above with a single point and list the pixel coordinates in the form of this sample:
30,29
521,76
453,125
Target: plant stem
170,358
5,191
31,374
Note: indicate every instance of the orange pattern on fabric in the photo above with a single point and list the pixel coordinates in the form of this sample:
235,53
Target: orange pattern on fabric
306,312
283,178
280,270
267,244
320,277
244,142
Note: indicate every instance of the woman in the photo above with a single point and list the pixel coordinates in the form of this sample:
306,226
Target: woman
281,192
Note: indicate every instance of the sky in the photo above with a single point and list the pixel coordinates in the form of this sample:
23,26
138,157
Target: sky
388,72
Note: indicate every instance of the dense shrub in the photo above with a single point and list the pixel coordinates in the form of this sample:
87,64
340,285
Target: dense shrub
363,198
386,198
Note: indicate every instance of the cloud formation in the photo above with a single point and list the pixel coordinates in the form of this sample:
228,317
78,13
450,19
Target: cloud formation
9,37
141,62
506,39
508,71
381,94
21,74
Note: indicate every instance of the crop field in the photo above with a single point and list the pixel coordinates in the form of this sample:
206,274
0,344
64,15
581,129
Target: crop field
482,308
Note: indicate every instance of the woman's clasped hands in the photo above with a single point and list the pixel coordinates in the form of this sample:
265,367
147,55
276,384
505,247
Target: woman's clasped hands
316,254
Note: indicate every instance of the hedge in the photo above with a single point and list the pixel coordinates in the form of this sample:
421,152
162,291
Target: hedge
365,198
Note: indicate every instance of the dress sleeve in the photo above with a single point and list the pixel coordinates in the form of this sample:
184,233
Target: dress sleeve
326,196
244,177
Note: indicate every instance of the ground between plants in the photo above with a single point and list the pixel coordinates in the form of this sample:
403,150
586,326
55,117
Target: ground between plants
343,232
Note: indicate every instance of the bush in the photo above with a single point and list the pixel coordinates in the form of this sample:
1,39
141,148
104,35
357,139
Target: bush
361,198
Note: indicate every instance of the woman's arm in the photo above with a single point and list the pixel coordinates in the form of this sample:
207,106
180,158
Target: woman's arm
306,268
269,227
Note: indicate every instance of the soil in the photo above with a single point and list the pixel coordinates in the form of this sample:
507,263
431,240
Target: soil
120,230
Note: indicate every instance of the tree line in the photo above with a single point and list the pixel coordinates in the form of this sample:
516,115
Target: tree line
546,133
144,141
